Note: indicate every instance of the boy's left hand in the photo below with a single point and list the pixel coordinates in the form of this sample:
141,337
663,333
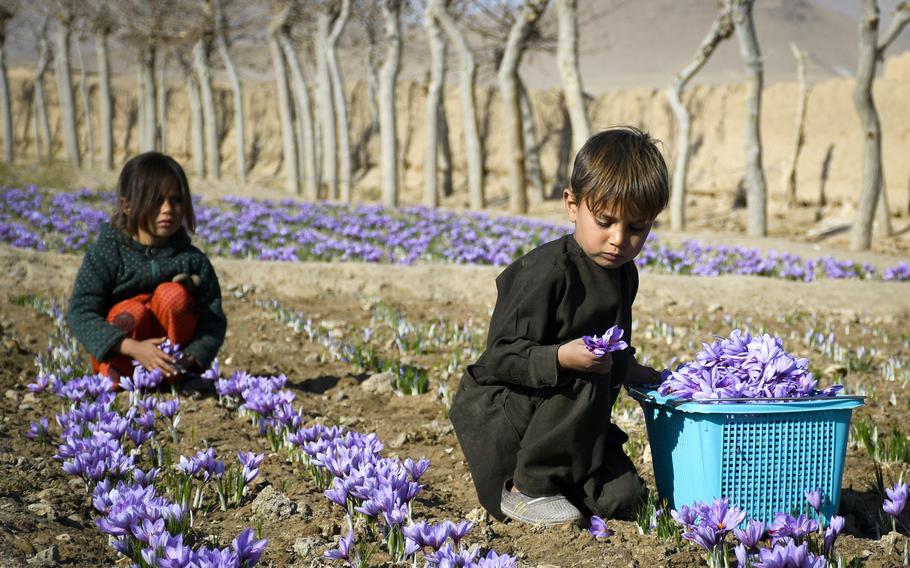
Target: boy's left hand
639,374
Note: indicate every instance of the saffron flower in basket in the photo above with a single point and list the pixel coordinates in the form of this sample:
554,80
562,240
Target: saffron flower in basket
743,366
611,340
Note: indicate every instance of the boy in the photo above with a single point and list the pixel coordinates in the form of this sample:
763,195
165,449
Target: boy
532,415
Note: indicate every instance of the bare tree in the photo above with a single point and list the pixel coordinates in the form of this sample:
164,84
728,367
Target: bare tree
756,192
223,47
86,101
42,126
721,29
197,138
434,103
388,163
567,59
161,100
66,11
533,169
307,156
871,49
150,26
341,107
7,12
102,25
202,53
468,79
800,129
525,20
277,34
325,16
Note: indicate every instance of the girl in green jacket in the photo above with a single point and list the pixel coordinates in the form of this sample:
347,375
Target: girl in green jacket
142,281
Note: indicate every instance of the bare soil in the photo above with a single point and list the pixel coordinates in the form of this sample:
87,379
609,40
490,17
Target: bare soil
41,508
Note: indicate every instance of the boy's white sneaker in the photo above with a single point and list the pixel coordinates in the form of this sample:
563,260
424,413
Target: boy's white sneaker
541,511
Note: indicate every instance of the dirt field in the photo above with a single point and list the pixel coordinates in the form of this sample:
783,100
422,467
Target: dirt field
41,508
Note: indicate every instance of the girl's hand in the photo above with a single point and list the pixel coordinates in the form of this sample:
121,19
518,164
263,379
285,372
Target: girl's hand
148,354
574,355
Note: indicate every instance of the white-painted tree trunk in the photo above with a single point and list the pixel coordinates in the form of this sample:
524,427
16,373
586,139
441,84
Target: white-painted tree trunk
86,104
342,128
567,59
861,235
161,100
721,29
105,102
756,191
224,52
41,122
285,116
197,138
467,81
434,103
201,52
325,105
525,20
388,77
306,141
147,98
533,169
65,94
799,137
6,107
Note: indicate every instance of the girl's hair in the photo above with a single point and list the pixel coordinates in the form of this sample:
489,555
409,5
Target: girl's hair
140,191
621,166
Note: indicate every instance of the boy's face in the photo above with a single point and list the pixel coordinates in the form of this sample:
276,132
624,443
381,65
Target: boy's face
610,238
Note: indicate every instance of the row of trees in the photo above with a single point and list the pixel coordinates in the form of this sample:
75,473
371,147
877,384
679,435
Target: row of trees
736,16
303,36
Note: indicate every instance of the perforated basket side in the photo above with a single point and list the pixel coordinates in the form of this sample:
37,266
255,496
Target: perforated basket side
770,461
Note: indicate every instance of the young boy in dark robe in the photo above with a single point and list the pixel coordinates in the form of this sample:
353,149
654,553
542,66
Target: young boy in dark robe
532,415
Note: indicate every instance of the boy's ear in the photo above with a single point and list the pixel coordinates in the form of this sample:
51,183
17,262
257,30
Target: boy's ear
568,199
124,205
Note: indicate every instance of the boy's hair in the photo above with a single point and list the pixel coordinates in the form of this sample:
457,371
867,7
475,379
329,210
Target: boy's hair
621,166
141,187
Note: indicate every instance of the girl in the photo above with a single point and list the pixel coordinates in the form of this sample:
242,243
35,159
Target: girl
142,281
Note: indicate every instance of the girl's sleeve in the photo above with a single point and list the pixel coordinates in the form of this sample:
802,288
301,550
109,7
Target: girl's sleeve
521,348
90,301
212,324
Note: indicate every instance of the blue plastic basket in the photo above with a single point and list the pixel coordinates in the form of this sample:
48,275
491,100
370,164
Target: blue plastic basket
762,455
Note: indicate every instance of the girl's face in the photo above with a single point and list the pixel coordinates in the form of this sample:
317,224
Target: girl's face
165,219
610,238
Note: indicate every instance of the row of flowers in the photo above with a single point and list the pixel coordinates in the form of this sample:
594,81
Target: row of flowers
149,514
288,230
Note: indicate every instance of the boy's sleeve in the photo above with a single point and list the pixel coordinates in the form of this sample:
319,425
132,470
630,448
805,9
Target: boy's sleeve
518,350
212,325
89,304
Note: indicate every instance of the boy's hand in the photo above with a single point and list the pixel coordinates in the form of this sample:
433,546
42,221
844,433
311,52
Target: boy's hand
641,375
148,354
574,355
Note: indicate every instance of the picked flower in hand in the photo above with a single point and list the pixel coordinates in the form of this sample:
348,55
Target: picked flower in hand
610,341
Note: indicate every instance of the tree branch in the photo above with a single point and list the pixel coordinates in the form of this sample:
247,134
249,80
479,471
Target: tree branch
900,19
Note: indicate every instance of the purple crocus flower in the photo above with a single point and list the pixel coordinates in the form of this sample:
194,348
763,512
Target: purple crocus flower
38,430
832,532
416,469
598,527
751,535
493,560
814,498
608,342
704,536
247,549
897,499
785,526
458,531
685,516
343,552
